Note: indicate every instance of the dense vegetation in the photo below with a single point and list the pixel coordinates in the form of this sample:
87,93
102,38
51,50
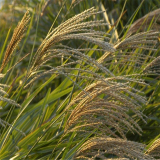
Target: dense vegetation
79,81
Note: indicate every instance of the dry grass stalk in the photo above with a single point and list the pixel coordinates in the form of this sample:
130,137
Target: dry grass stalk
154,149
16,38
100,147
143,23
109,113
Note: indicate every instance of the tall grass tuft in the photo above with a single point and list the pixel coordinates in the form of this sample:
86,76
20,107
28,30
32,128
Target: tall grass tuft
72,102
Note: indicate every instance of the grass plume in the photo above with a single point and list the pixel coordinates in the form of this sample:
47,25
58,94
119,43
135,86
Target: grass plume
16,38
99,147
80,96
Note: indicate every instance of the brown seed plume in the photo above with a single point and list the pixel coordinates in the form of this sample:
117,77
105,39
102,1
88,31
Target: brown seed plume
16,38
100,147
143,23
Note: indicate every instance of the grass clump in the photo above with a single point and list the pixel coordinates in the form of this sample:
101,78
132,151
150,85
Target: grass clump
75,93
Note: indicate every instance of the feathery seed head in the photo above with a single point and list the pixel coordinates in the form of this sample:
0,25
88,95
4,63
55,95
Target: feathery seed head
98,147
16,38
